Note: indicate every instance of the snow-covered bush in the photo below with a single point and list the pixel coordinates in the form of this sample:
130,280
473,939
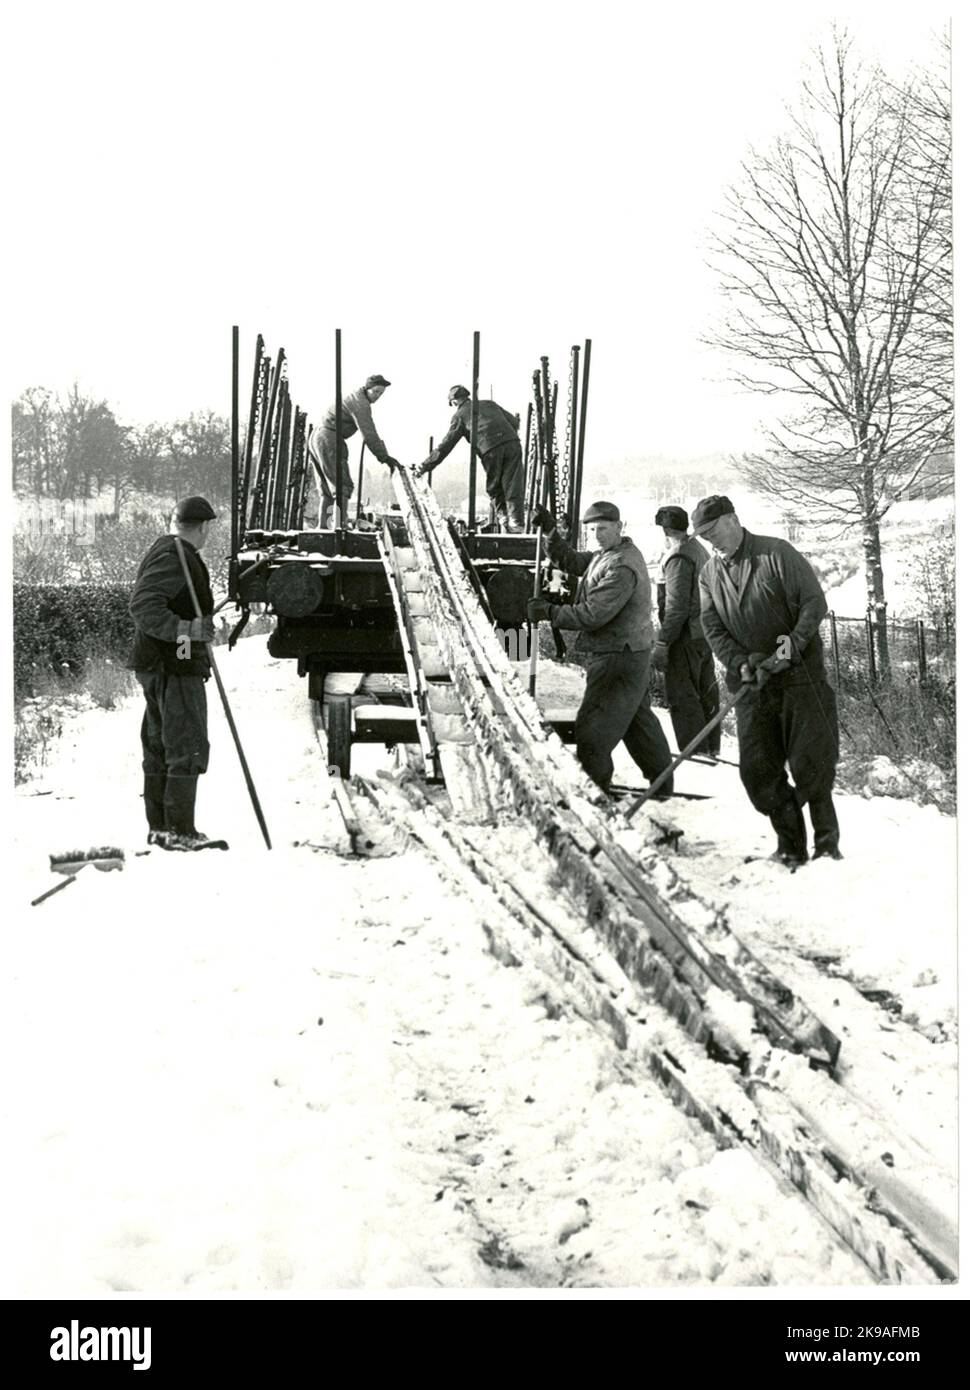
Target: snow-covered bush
59,628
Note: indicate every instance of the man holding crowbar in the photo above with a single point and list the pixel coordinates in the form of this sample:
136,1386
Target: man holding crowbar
612,615
172,659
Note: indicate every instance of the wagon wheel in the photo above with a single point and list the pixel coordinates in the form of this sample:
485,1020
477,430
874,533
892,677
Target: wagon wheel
338,734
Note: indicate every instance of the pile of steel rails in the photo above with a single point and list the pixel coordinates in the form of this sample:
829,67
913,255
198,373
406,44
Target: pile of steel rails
619,934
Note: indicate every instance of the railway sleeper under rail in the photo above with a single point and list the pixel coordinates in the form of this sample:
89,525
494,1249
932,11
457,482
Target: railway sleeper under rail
684,965
883,1216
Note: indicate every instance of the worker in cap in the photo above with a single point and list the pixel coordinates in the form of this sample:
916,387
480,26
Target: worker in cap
761,608
612,615
681,651
327,453
497,445
170,658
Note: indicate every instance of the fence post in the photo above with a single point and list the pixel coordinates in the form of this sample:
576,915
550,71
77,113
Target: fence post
921,649
871,646
834,634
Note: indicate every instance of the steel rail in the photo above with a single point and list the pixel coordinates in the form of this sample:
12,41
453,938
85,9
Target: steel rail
858,1173
584,977
786,1021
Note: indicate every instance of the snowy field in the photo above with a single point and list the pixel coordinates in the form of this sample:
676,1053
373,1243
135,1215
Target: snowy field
291,1071
908,530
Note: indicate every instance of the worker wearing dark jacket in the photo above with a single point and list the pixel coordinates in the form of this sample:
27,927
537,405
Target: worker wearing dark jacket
681,651
612,615
171,661
327,454
497,445
761,607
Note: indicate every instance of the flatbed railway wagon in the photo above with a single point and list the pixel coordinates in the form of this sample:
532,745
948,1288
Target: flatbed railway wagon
345,611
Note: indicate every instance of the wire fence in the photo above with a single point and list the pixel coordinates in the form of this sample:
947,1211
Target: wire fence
904,710
906,715
917,652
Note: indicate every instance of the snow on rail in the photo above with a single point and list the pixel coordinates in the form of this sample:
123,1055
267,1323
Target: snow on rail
776,1095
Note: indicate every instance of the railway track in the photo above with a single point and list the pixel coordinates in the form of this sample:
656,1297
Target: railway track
685,998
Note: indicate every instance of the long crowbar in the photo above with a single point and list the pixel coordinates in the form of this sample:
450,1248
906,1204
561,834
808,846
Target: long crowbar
225,702
712,724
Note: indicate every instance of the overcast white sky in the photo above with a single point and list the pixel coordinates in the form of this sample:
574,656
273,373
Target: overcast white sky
408,172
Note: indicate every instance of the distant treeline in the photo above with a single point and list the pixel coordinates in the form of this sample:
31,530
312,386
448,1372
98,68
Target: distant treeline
74,446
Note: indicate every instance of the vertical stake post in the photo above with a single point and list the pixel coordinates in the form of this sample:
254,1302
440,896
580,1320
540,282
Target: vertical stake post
587,354
534,627
573,518
234,426
473,430
338,442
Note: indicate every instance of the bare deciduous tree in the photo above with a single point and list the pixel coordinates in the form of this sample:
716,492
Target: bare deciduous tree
833,254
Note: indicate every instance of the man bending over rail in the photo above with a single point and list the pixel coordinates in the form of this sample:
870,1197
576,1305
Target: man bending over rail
326,457
497,445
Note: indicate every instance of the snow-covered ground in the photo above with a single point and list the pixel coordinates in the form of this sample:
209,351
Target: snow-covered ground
293,1071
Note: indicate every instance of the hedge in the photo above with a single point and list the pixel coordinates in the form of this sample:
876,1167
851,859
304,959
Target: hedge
56,624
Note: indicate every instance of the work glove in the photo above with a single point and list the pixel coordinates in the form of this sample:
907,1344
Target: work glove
543,520
197,629
661,656
391,463
771,666
422,468
748,669
539,610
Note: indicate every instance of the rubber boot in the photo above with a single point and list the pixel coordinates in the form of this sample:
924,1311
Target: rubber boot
825,823
154,795
180,804
789,826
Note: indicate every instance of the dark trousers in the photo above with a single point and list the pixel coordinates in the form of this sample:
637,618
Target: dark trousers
174,730
692,694
793,724
615,708
505,482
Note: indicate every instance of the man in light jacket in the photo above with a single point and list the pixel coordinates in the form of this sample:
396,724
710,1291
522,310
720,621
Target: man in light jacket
497,445
327,454
612,615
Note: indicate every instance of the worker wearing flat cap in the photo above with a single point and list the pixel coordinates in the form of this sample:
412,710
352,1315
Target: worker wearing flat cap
612,615
761,608
327,454
170,658
497,445
681,651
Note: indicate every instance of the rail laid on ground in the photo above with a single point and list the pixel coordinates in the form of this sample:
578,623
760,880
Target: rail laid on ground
744,1054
